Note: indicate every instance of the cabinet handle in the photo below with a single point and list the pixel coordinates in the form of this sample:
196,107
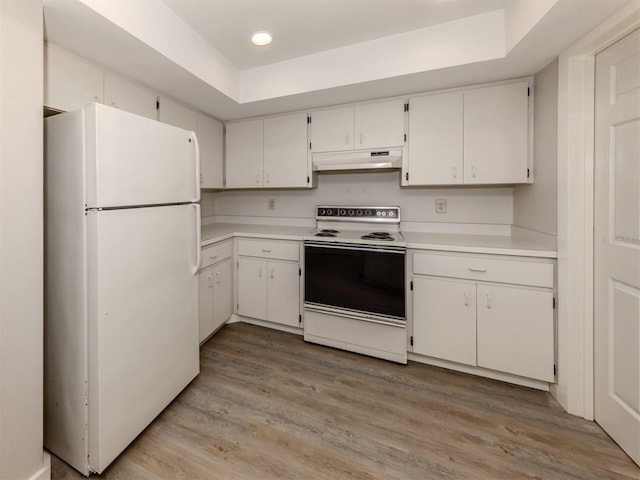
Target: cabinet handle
479,270
466,298
260,272
258,178
217,277
213,257
455,172
473,171
268,178
347,139
210,281
488,300
361,138
266,250
272,273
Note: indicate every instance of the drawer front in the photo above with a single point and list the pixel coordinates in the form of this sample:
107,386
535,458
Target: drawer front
215,253
519,272
269,249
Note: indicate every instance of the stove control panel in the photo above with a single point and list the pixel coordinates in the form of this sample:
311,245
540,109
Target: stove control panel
358,213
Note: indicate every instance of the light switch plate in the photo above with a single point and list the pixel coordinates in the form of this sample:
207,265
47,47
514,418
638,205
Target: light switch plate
271,204
441,205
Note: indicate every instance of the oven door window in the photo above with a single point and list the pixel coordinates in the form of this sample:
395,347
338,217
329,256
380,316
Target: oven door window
368,281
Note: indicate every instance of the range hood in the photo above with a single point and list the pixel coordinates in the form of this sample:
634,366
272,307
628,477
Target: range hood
363,160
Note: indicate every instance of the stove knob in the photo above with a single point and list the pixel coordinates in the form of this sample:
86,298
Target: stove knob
384,214
351,213
342,212
367,213
321,212
378,213
391,213
359,213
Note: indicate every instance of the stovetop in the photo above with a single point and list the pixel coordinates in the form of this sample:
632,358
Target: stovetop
358,224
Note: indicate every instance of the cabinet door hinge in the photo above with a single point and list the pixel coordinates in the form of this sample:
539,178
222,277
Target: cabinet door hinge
238,264
411,340
528,173
554,370
300,318
411,285
299,271
405,137
554,303
157,104
309,145
308,119
406,176
406,107
528,91
308,179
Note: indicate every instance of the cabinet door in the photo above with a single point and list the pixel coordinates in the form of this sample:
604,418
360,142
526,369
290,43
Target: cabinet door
435,140
70,82
252,288
210,138
444,319
285,151
205,302
496,134
125,95
222,292
515,330
177,115
379,125
332,130
284,293
244,157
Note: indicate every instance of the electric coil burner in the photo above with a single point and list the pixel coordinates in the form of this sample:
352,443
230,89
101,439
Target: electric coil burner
355,281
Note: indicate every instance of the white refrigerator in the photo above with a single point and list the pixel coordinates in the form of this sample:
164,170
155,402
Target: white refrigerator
121,295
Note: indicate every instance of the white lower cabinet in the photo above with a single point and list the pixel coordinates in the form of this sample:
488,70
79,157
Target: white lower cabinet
494,312
269,281
215,288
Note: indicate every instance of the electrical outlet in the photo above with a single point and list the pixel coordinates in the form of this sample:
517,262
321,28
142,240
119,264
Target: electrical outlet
441,205
271,204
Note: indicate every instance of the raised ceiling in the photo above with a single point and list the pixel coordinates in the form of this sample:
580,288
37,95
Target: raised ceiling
324,51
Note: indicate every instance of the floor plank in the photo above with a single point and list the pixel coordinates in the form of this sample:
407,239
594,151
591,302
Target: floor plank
267,405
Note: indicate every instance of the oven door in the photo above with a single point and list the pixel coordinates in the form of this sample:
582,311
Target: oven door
359,281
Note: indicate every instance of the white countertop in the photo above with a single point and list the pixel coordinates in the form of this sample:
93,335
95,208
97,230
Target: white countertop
520,242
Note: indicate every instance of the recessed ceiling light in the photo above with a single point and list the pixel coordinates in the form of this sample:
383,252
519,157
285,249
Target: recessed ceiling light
261,38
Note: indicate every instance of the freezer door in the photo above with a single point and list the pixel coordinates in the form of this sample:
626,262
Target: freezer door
142,319
132,160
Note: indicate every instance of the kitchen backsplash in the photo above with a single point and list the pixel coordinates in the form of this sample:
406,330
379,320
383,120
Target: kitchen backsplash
464,205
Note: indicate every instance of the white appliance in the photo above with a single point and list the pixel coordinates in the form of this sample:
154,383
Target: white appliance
122,255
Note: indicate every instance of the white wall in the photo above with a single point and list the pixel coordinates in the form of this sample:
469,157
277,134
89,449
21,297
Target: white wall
535,206
21,241
465,205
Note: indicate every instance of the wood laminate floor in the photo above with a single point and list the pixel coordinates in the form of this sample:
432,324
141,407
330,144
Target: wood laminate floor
267,405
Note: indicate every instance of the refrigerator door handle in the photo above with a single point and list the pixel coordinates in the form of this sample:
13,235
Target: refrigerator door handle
197,147
196,267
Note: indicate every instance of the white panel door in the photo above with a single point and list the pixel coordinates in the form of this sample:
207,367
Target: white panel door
252,288
435,140
379,125
125,95
515,330
211,137
142,319
444,319
222,292
131,160
244,154
284,293
617,243
285,151
177,115
496,133
332,130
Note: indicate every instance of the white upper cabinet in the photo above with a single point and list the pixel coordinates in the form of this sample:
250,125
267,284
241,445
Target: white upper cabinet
379,125
372,125
70,82
285,151
177,115
128,96
435,139
270,152
476,136
210,136
496,134
244,154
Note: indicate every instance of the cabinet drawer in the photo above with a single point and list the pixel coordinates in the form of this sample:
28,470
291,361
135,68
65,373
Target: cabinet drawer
269,249
515,271
215,253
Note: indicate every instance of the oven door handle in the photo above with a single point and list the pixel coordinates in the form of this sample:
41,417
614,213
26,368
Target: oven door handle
356,247
355,316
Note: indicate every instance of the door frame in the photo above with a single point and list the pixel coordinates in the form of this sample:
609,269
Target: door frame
576,89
